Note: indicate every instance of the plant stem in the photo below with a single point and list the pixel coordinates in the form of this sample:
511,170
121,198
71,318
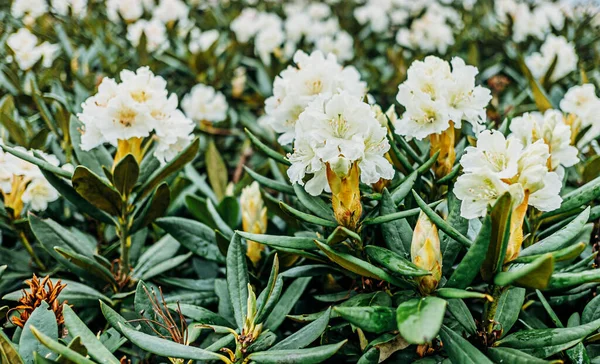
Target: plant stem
490,309
125,240
30,250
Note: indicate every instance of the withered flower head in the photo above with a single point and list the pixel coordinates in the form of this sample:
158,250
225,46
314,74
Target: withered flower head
39,291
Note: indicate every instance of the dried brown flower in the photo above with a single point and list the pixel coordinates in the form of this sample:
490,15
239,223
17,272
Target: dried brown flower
39,291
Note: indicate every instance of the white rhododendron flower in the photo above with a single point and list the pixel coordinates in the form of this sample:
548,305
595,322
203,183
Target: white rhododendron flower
582,102
27,52
29,10
497,165
66,7
135,108
154,30
203,103
129,10
434,95
170,11
338,130
201,41
25,179
552,129
433,31
527,22
296,87
342,45
554,47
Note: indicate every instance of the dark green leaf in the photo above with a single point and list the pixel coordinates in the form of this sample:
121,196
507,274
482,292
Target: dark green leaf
394,262
374,319
299,356
306,335
237,279
532,275
96,191
460,350
420,319
44,320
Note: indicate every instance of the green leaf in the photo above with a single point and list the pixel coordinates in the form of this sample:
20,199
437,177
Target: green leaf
340,234
357,265
125,174
568,253
8,351
267,292
89,265
270,183
420,319
56,347
96,191
394,262
396,215
371,356
471,263
533,275
298,356
460,350
451,248
160,251
266,150
195,236
591,311
561,238
509,355
306,335
156,208
500,214
44,319
163,267
441,223
38,162
543,343
94,347
450,293
221,224
374,319
167,348
399,193
314,204
237,279
509,307
269,304
567,280
69,193
577,198
398,233
307,217
200,314
459,310
216,170
542,100
286,303
184,157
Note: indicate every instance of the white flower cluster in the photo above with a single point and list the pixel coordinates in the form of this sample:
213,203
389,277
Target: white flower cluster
296,87
528,22
500,164
313,23
24,45
203,103
28,10
338,131
76,8
582,102
434,95
265,28
551,128
201,41
135,108
555,47
379,15
155,28
433,31
26,181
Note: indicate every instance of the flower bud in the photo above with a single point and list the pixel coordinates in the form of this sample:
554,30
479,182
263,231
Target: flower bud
516,230
426,254
444,143
345,191
254,219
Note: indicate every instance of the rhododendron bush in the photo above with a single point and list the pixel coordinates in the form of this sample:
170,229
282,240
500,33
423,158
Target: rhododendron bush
299,181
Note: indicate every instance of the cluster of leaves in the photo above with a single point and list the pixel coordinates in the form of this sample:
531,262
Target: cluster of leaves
155,266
